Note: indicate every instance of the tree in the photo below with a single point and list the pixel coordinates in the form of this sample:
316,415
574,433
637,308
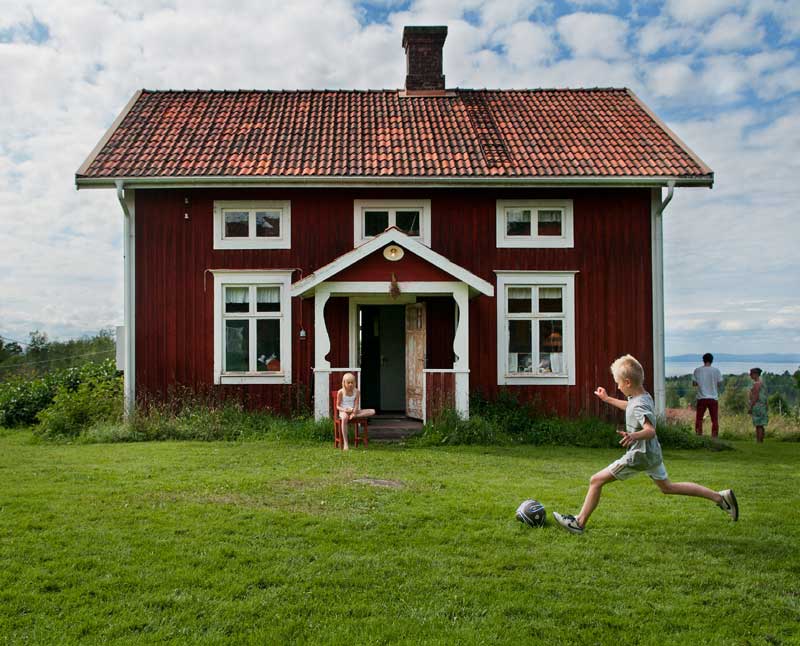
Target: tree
8,350
734,397
777,404
673,398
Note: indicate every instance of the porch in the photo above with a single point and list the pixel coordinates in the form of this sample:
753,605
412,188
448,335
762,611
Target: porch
398,340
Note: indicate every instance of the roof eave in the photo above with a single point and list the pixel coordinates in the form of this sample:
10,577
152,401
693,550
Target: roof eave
107,136
316,181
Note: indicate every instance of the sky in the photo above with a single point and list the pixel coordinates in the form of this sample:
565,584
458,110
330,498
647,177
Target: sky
723,74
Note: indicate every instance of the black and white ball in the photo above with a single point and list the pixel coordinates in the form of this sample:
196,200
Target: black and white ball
532,513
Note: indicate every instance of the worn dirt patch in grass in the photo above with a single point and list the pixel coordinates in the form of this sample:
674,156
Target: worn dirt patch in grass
377,482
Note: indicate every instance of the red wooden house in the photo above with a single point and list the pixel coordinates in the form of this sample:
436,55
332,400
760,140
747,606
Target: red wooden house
434,241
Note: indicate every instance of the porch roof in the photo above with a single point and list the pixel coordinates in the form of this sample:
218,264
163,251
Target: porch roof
392,235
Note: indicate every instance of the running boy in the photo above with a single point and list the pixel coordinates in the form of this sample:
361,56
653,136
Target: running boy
643,450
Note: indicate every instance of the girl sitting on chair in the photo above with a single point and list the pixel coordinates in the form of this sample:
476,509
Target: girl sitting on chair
348,401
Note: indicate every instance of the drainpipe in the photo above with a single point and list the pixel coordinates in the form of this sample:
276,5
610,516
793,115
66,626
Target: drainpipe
126,201
657,238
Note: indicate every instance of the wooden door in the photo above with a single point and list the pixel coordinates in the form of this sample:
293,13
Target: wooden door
392,375
415,358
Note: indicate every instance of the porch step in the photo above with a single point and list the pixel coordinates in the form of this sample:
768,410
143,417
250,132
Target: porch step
391,428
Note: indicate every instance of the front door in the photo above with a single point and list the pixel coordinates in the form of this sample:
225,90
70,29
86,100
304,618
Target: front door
382,360
392,347
415,358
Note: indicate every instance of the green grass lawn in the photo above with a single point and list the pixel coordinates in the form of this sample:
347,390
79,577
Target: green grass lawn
277,542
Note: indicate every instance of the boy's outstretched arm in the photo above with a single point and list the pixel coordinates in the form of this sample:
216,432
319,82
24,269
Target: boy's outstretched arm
648,431
622,404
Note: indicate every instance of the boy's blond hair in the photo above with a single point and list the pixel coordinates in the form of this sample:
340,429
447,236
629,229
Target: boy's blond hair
627,367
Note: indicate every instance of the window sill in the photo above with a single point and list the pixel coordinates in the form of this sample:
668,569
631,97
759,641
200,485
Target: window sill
271,378
535,243
536,380
249,243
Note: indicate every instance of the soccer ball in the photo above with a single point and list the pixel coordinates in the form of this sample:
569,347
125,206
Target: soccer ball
532,513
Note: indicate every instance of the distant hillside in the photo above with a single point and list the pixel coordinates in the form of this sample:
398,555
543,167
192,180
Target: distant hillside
764,358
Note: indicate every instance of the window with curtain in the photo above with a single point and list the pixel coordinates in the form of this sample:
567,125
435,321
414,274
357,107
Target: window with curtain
252,319
535,327
535,320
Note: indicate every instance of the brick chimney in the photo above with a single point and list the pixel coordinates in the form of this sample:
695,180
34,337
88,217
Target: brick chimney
423,47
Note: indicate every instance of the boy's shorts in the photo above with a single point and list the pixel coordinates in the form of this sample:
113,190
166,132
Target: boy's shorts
622,471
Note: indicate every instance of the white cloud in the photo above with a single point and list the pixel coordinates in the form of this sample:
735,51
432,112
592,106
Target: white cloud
672,78
693,11
593,35
527,43
733,31
609,5
659,34
732,326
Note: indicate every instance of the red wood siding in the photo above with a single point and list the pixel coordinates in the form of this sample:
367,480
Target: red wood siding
408,268
440,393
174,294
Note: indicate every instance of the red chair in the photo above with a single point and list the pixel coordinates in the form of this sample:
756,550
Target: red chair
360,426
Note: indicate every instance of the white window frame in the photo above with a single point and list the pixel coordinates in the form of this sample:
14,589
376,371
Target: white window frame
535,241
253,279
360,206
564,280
284,241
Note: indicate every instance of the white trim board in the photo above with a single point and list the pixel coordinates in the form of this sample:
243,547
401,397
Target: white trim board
319,181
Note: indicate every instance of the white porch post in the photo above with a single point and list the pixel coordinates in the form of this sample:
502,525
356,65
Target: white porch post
322,346
461,350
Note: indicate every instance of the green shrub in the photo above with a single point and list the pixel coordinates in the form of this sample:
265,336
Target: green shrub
21,399
449,428
199,416
97,399
734,399
509,421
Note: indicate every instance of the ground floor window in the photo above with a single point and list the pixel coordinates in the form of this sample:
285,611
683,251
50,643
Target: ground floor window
252,327
535,327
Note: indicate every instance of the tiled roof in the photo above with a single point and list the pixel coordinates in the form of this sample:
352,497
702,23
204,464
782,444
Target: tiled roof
336,133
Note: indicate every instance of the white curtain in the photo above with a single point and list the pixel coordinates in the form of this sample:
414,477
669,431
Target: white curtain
549,216
269,294
550,292
237,295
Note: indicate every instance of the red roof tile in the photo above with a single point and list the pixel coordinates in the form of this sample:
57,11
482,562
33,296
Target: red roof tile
469,133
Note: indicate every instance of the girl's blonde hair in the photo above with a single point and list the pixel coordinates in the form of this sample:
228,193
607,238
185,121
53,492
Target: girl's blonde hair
351,375
627,367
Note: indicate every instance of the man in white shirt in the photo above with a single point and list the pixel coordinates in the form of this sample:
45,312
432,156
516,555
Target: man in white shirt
707,379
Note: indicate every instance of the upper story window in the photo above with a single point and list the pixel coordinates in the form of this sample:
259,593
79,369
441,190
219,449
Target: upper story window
252,327
252,224
373,217
534,223
535,328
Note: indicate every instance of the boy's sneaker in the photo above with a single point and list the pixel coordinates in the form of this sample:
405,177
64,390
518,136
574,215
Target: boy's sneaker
570,523
729,503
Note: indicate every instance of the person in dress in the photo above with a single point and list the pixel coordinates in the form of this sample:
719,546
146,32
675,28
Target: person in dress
758,404
348,405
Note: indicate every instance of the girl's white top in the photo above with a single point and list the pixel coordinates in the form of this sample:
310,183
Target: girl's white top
349,401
